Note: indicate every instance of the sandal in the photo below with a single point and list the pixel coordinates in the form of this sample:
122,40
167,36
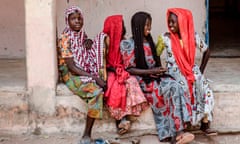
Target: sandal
168,139
85,140
207,130
101,141
122,131
135,141
184,138
124,126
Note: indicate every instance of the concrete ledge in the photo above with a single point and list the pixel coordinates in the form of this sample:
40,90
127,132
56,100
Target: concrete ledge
14,111
227,99
70,116
144,123
225,88
12,98
226,112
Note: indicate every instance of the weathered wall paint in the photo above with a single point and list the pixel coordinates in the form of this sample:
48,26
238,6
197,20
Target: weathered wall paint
12,29
12,26
95,11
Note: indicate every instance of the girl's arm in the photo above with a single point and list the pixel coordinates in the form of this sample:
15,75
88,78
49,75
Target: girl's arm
149,72
205,59
204,49
77,71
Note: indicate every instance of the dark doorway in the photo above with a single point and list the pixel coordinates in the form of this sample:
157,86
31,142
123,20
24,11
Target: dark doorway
224,28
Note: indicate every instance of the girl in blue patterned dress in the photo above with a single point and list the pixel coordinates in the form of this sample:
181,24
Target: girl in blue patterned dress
171,109
180,44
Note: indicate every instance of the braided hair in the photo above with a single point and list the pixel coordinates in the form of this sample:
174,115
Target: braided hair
138,22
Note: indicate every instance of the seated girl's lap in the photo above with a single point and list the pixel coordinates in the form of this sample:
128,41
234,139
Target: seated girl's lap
168,81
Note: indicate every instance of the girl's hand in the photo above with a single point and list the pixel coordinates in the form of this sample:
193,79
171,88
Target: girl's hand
88,43
158,70
101,83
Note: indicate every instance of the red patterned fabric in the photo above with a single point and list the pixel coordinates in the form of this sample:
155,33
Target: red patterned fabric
116,92
184,56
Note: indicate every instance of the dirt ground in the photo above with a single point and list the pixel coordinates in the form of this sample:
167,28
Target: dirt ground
147,139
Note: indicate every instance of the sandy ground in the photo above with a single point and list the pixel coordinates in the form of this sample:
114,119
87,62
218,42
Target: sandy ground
147,139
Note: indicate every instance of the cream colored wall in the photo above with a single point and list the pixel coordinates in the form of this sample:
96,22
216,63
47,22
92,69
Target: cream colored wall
12,29
12,26
95,11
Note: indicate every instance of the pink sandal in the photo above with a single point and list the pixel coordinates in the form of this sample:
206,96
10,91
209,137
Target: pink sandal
184,138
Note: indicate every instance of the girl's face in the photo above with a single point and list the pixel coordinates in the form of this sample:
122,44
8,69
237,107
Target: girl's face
147,27
173,23
75,21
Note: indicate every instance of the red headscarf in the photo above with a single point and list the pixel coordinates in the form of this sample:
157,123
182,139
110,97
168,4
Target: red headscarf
184,56
116,92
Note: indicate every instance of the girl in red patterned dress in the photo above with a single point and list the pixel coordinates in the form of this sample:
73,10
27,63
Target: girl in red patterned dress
123,96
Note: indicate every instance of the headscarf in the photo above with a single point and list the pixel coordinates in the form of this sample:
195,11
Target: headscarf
116,92
184,56
83,58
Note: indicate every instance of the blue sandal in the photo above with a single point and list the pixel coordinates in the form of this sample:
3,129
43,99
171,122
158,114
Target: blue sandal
101,141
85,140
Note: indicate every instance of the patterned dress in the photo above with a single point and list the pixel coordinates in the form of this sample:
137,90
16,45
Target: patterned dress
123,95
168,101
203,95
83,86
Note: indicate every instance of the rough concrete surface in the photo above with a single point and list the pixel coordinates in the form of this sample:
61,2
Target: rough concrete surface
17,117
146,139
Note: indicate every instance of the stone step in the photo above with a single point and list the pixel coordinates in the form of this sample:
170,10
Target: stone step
14,110
17,117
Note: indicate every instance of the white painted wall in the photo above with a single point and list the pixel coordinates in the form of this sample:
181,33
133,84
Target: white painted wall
12,15
95,11
12,29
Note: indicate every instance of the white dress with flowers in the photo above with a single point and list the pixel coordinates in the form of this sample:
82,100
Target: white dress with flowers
203,95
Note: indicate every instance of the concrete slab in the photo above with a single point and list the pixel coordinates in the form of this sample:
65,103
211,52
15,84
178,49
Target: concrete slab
224,74
70,110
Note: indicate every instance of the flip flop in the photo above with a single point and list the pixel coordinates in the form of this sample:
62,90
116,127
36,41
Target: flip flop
85,140
135,141
210,132
184,138
124,126
101,141
122,131
168,139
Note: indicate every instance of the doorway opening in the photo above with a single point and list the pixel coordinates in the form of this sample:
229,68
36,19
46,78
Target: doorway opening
224,28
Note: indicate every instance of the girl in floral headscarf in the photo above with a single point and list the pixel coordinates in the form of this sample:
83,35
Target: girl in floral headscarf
79,67
181,43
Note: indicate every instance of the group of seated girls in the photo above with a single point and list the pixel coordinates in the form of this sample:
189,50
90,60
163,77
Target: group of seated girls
126,75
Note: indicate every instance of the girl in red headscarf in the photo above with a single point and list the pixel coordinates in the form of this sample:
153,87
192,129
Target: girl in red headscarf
180,44
123,96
